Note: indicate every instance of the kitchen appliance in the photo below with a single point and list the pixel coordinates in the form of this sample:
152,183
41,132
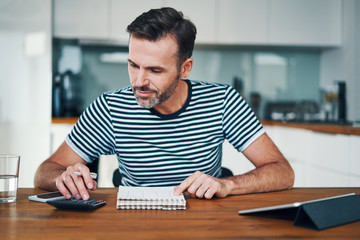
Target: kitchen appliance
255,101
334,102
280,110
57,105
341,102
307,111
238,85
67,95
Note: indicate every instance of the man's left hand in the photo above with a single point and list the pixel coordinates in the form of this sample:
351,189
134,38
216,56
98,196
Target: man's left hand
201,185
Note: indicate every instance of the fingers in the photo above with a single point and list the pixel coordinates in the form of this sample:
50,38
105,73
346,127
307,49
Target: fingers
86,177
200,185
70,184
204,186
62,188
186,183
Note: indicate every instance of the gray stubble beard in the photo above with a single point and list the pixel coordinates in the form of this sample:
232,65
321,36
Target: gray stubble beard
159,98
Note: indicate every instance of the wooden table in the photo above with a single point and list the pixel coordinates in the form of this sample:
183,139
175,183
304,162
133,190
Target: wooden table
203,219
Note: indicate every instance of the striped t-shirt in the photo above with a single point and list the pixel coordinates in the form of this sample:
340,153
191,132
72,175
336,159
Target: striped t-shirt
162,150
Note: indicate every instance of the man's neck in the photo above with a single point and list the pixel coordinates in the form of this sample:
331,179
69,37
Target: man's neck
176,101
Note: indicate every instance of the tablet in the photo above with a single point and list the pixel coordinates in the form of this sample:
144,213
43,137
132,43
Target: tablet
288,206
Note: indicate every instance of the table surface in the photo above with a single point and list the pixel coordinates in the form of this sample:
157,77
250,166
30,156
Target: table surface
203,219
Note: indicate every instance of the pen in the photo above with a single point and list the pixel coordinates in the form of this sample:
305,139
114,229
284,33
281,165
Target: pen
92,174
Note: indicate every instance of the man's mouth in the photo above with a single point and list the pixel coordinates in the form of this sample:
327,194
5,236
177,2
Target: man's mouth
144,92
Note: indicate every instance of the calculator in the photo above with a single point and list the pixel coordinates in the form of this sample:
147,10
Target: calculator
77,204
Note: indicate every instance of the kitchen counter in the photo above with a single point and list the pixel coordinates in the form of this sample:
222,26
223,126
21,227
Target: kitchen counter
64,120
318,127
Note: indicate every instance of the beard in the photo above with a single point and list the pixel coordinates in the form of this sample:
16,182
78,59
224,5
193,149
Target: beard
159,97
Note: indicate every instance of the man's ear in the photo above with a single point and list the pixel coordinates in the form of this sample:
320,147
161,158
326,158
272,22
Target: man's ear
186,68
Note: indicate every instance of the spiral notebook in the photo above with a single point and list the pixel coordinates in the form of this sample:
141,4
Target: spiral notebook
149,198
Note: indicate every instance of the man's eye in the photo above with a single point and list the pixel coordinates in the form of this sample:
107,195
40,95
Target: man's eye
133,65
156,70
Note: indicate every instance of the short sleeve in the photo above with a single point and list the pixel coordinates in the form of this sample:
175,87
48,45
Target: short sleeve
93,133
240,124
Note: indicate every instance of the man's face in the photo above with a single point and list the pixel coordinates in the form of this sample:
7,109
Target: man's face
153,70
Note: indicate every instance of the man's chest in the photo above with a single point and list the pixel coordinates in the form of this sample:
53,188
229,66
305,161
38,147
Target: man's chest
163,135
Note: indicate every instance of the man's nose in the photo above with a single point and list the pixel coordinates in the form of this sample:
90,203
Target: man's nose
142,78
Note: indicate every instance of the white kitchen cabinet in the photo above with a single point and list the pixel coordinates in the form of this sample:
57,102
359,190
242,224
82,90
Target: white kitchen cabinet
235,22
83,19
293,143
58,135
315,176
203,15
280,22
354,173
319,159
330,151
328,164
122,13
107,165
300,171
242,22
234,160
305,22
108,19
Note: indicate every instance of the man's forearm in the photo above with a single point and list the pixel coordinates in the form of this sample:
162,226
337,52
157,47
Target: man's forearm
269,177
46,174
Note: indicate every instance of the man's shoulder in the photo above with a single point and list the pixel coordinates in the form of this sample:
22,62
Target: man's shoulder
207,84
119,92
125,93
202,85
122,96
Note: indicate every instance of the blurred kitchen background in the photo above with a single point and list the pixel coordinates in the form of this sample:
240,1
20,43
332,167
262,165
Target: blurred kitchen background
268,77
294,61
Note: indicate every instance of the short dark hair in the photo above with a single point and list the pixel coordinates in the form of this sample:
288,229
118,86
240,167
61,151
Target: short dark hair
158,23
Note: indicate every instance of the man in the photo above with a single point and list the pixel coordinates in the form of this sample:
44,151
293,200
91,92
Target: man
164,129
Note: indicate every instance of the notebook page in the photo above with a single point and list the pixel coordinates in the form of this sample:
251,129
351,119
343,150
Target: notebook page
148,193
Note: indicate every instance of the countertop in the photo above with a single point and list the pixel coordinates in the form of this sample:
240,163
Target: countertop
318,127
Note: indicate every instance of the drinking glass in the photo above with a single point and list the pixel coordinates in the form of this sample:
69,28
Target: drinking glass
9,174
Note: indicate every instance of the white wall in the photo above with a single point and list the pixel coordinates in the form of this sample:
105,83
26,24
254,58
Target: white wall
356,85
343,63
25,83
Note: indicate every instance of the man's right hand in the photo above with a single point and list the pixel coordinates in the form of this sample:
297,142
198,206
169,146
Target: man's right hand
70,184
